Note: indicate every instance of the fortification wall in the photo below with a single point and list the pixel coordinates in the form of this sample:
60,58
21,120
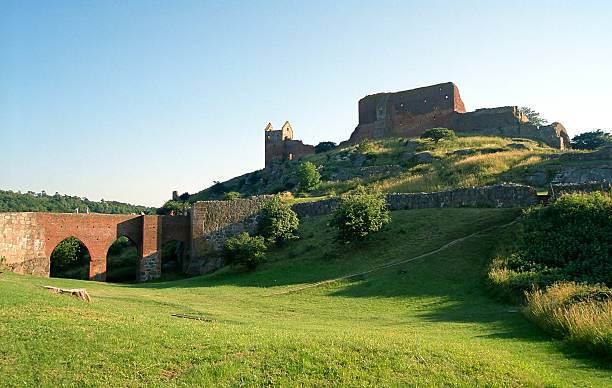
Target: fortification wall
496,196
22,244
411,112
212,223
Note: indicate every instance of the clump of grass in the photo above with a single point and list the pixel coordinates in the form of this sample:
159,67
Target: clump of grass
581,313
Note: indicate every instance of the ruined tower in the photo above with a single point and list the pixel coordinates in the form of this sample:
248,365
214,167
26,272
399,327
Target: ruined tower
280,145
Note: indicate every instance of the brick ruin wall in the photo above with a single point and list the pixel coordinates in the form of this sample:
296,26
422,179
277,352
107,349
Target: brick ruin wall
27,240
409,113
212,223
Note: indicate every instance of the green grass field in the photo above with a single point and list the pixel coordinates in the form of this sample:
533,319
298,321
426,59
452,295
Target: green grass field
428,322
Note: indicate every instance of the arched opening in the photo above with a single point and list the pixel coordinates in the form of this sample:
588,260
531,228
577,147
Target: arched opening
172,259
70,259
122,261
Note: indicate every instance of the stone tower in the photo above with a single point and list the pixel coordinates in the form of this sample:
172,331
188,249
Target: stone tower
279,144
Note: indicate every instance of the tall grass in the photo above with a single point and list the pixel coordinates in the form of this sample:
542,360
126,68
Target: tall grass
580,313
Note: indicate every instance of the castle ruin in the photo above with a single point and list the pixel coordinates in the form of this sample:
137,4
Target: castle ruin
409,113
280,144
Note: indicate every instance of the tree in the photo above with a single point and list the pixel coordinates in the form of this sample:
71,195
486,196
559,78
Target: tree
360,214
591,140
308,177
324,146
232,195
277,222
533,117
173,207
437,134
245,250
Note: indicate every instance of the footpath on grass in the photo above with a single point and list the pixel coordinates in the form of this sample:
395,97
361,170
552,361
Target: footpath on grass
391,263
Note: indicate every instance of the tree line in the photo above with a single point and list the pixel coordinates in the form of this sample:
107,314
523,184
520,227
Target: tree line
11,201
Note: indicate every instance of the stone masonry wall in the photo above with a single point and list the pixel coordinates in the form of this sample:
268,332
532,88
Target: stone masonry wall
212,223
497,196
22,244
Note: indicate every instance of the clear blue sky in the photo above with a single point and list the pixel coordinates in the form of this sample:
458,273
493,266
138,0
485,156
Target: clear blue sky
129,100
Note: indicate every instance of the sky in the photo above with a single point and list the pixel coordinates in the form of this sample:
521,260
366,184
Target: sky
129,100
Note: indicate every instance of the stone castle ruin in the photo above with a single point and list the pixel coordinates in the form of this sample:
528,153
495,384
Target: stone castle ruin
281,145
409,113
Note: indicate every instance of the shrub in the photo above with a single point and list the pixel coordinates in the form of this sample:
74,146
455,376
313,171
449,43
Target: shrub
437,134
277,222
360,214
230,196
245,250
324,146
574,235
591,140
569,240
308,177
578,312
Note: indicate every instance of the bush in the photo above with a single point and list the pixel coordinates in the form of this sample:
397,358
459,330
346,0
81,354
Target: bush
360,214
591,140
277,222
578,312
324,146
245,250
308,177
232,195
569,240
572,235
437,134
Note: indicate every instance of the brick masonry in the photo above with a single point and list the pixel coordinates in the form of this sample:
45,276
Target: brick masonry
27,240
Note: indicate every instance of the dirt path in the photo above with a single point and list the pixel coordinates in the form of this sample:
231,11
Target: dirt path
391,263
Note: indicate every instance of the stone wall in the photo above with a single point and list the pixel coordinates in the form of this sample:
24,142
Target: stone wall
557,189
212,223
22,244
409,113
496,196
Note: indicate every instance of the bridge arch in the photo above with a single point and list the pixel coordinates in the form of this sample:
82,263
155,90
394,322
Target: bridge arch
123,260
70,258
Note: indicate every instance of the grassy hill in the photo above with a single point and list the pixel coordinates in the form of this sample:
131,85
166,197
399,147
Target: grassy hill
11,201
427,322
412,165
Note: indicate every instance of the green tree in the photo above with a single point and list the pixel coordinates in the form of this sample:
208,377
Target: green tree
230,196
360,214
245,250
437,134
174,207
308,177
533,117
277,222
591,140
324,146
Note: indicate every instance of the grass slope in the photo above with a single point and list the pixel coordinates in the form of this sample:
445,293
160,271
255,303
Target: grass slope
428,322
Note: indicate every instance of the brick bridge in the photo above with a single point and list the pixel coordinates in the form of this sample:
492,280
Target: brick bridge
28,239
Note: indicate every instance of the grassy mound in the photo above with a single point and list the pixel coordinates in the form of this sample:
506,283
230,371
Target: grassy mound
426,322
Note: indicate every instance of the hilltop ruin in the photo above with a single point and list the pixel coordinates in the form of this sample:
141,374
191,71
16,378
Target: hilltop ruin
409,113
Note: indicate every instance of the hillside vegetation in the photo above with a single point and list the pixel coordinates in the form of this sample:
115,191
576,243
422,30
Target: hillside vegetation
409,165
11,201
426,322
